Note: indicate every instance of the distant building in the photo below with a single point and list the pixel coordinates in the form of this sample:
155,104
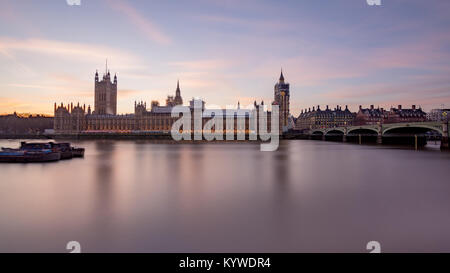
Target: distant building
397,115
371,116
281,98
438,115
105,94
71,119
177,100
74,119
317,118
24,124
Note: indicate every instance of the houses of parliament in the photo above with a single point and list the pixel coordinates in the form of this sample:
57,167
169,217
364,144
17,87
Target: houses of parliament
74,119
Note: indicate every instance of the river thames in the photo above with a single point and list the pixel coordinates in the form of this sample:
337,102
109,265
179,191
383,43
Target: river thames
309,196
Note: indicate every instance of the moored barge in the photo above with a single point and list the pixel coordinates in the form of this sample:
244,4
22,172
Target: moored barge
40,152
43,154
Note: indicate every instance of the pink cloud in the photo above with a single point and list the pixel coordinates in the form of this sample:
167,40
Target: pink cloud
145,25
10,47
204,65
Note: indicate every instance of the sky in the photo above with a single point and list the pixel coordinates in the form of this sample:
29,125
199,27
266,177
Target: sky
332,52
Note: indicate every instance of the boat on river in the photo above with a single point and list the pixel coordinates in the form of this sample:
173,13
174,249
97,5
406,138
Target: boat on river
64,148
44,154
40,152
77,152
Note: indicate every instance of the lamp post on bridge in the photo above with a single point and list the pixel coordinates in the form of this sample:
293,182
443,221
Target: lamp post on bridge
444,140
380,133
344,137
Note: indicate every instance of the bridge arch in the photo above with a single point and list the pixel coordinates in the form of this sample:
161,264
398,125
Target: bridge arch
334,131
317,132
412,127
362,129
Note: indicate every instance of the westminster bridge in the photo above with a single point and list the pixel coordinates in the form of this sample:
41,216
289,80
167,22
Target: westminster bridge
384,132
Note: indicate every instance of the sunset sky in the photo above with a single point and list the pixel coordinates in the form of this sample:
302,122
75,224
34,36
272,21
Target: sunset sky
331,51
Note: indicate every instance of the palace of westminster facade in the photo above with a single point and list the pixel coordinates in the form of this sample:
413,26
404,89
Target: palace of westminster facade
74,119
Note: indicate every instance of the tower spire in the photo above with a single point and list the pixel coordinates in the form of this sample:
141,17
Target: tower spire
178,100
106,67
177,92
281,76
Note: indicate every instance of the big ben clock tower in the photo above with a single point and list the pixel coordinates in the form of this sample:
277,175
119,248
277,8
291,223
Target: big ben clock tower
281,98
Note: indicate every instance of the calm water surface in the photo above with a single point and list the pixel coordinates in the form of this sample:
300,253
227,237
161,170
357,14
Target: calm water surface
143,196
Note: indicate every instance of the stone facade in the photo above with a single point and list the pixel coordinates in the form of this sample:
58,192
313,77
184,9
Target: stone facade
371,116
319,119
281,98
439,115
105,95
25,124
70,119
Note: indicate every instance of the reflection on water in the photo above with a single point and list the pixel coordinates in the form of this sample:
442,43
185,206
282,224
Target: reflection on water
226,197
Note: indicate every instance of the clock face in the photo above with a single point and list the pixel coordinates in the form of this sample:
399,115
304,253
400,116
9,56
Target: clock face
283,93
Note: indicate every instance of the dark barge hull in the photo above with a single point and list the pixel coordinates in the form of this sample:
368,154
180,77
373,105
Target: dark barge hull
66,155
78,152
30,158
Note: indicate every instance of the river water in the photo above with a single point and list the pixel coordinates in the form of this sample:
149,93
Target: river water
147,196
